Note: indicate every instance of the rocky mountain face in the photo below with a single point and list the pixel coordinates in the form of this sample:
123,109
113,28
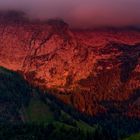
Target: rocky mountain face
96,71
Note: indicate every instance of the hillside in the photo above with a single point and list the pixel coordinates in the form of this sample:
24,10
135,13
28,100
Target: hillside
25,106
24,115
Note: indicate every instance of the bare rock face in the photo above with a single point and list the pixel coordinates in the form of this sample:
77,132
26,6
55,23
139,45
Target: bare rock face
97,71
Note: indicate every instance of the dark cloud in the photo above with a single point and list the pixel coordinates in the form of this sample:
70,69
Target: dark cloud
81,13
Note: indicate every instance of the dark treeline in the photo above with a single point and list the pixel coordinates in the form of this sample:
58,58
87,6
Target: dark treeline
14,94
35,131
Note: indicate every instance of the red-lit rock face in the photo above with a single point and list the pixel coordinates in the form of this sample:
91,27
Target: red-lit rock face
96,69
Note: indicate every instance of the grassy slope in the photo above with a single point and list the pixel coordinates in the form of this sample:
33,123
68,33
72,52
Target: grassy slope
134,137
39,112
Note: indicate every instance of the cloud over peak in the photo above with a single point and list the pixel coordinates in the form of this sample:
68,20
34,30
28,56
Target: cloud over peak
81,13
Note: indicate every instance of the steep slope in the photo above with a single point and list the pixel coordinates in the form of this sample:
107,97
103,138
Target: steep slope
25,115
94,71
26,111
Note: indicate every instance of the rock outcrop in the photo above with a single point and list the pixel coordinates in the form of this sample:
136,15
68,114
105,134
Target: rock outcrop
95,71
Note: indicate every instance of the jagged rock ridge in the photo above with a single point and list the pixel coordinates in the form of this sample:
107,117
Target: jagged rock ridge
92,70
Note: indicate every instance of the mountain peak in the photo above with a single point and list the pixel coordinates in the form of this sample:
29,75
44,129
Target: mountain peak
91,67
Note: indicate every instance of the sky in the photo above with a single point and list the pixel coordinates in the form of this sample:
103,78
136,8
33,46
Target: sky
81,13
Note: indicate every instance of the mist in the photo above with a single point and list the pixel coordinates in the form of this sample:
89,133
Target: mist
80,13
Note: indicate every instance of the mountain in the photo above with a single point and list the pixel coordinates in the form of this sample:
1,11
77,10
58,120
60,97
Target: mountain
96,71
58,78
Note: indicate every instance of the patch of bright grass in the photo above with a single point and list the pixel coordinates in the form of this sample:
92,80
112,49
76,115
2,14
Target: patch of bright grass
134,137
